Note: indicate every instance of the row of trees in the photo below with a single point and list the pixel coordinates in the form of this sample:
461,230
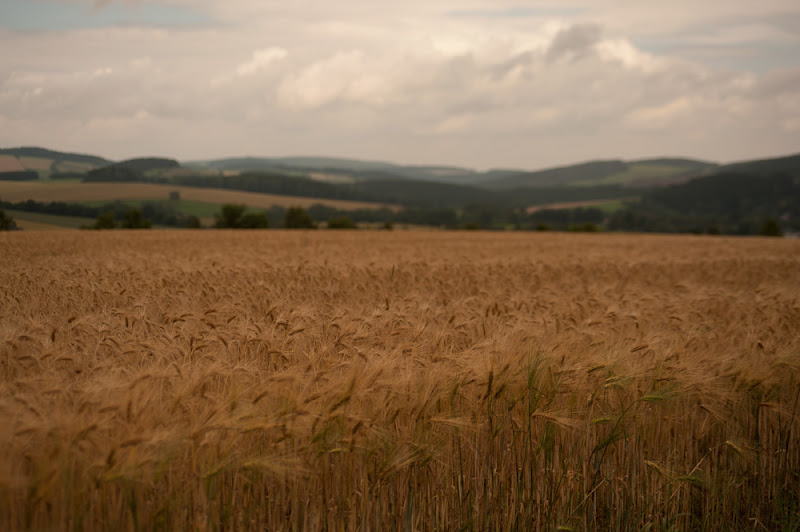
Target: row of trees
231,216
236,217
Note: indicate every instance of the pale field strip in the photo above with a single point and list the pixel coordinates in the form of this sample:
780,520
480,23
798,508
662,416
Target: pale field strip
570,204
78,192
36,163
268,380
9,163
30,225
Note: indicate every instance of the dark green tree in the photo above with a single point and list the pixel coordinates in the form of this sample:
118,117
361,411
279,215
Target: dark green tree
230,216
234,217
134,220
298,218
341,222
771,228
105,220
7,223
193,222
254,220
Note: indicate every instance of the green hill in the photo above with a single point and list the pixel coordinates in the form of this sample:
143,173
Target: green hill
646,172
55,155
778,165
130,170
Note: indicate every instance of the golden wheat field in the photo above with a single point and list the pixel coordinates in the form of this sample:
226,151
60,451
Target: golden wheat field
277,380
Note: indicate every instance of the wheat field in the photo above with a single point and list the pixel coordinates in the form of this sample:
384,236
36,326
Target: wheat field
277,380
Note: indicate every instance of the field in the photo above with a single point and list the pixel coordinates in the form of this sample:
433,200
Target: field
9,163
39,164
34,221
278,380
86,192
606,205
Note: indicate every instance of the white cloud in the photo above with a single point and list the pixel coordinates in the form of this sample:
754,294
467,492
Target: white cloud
261,60
659,116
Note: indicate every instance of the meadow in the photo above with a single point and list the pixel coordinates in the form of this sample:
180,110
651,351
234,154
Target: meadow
374,380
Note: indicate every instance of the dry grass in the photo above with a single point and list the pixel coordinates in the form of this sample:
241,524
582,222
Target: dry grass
78,192
417,381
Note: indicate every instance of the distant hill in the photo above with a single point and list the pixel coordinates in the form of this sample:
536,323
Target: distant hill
646,172
247,164
130,170
351,168
724,202
778,165
55,155
641,173
146,164
44,163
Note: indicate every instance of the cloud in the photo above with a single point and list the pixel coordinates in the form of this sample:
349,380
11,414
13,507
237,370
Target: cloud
574,41
491,85
261,60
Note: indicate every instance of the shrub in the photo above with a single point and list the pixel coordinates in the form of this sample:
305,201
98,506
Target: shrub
254,220
134,220
105,220
298,218
193,222
7,223
341,222
588,227
233,216
771,228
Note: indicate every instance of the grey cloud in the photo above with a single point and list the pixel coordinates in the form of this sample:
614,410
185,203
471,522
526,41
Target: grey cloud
777,83
575,40
503,68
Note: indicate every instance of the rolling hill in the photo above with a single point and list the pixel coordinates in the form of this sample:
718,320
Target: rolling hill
777,165
646,172
49,163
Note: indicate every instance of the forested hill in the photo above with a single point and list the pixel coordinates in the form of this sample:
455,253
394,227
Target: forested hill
778,165
732,203
44,153
613,172
130,170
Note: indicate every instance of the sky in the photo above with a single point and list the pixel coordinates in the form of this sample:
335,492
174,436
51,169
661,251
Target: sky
476,83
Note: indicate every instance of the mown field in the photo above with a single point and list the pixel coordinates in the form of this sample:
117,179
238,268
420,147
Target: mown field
277,380
34,221
73,192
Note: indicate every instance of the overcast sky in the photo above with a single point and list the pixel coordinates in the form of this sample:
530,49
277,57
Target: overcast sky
479,83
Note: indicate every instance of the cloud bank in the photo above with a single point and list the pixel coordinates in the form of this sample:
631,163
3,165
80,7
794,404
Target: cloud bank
471,83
